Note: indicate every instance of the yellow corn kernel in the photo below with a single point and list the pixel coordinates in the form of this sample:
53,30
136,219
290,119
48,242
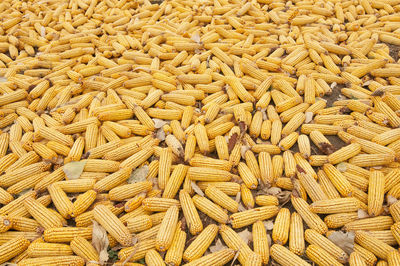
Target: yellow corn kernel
218,258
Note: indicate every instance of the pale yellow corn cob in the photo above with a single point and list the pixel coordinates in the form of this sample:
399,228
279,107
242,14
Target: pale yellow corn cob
60,200
175,181
127,191
338,180
260,241
221,199
313,189
112,180
247,196
337,205
208,174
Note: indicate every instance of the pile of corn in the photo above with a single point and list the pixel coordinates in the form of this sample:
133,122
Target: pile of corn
196,132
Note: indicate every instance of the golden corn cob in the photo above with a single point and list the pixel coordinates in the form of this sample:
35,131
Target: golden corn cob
112,225
84,249
284,257
314,238
199,246
376,191
244,218
310,218
167,230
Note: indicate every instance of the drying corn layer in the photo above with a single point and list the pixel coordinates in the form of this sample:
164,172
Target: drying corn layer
200,132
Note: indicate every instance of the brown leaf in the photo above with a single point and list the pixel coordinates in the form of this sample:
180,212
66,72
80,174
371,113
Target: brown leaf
232,142
326,148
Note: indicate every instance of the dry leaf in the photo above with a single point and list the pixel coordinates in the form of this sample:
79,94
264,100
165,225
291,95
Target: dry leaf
175,145
362,214
218,246
139,174
3,79
73,170
274,191
100,242
341,167
159,123
236,256
160,134
309,117
243,150
391,200
238,196
196,37
241,208
269,224
246,235
343,240
196,188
